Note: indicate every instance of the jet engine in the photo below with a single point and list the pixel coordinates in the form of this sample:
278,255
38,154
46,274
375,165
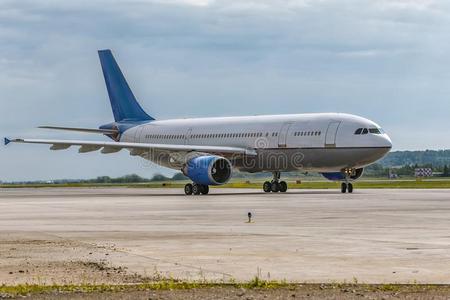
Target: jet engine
208,170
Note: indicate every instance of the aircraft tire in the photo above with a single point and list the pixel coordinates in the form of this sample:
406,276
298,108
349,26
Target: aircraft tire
343,187
350,188
204,189
188,189
196,189
283,186
275,187
267,187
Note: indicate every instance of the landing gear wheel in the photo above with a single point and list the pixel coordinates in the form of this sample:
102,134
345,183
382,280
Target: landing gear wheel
188,189
350,188
283,186
275,187
267,187
204,189
343,187
196,189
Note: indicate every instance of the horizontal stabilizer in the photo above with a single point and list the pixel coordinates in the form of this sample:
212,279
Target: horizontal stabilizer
87,130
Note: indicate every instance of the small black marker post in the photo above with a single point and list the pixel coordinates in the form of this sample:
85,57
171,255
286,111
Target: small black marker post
249,217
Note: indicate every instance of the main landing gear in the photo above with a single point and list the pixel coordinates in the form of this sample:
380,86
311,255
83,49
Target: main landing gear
196,189
275,185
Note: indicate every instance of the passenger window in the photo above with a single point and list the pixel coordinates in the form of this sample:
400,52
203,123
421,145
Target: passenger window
365,131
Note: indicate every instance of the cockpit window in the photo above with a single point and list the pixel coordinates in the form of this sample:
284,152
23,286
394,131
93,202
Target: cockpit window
374,130
365,131
358,131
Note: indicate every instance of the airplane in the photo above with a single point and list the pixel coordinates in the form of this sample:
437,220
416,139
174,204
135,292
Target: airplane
207,150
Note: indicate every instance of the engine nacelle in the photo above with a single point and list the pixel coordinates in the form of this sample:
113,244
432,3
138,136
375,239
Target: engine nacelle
208,170
340,176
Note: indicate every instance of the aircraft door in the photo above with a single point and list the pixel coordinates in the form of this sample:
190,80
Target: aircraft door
282,135
330,136
137,135
187,137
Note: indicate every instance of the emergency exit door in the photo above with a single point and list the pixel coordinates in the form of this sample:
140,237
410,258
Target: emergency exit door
330,137
283,134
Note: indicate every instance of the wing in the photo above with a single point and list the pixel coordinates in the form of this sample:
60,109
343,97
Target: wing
135,148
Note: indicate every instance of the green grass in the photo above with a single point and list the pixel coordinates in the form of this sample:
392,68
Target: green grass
172,284
256,184
166,284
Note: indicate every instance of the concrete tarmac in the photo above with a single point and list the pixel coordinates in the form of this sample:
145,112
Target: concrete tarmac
112,234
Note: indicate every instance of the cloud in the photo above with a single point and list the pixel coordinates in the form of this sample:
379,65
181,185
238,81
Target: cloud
386,60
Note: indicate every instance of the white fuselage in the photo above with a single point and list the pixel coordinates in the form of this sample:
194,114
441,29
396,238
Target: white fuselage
326,141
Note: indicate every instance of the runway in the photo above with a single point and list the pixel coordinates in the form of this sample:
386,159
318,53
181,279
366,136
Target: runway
113,234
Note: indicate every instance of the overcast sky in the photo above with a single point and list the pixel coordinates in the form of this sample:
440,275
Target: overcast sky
387,60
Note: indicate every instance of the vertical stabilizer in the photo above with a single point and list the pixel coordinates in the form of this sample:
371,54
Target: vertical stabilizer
124,104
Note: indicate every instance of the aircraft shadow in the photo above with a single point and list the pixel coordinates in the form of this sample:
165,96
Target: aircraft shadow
212,194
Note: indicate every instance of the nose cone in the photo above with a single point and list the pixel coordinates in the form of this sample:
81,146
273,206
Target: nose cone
387,141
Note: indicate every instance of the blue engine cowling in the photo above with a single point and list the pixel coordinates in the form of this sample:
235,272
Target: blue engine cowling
208,170
340,176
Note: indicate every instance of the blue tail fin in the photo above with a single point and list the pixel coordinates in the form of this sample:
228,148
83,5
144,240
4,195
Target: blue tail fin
123,102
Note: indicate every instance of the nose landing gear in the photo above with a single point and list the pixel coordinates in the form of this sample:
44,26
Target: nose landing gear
347,186
275,185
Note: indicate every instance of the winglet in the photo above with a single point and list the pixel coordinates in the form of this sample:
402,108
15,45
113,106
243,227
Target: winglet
7,141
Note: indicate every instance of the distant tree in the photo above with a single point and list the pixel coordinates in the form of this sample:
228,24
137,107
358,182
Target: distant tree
132,178
159,177
102,179
437,158
376,170
179,176
446,171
